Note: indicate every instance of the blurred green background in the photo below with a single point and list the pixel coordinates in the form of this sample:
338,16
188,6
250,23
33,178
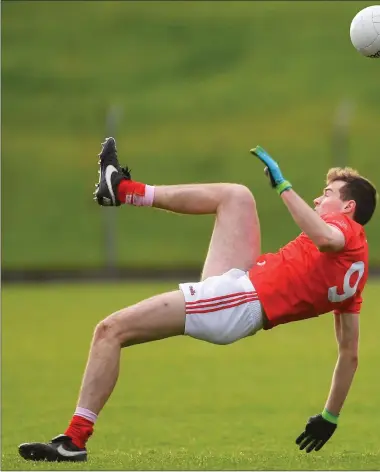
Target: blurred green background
196,85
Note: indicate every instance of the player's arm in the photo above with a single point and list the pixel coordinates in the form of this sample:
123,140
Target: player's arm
320,428
324,236
347,334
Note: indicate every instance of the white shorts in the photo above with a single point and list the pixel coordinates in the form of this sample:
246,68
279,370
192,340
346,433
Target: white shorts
222,309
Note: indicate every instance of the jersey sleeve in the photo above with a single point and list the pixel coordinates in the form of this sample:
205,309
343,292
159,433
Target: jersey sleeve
353,307
340,222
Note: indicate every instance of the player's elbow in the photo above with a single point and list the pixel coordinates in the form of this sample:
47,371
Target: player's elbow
325,247
326,244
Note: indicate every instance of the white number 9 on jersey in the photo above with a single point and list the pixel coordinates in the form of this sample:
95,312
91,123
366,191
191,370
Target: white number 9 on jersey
348,291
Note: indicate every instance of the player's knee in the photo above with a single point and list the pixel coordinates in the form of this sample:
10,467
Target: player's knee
117,327
109,328
102,330
243,194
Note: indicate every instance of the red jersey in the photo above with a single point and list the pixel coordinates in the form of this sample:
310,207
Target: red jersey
300,282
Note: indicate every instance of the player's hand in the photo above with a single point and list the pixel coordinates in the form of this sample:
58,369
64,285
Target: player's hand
317,432
272,170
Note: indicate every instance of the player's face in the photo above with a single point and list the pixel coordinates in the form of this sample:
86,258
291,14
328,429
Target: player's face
331,202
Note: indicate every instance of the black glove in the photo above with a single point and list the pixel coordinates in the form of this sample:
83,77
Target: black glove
317,432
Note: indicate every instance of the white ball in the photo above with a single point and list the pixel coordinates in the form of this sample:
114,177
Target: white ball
365,31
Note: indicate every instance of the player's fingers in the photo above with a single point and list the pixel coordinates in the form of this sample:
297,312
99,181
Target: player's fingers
312,445
305,442
301,437
263,156
268,174
320,445
258,154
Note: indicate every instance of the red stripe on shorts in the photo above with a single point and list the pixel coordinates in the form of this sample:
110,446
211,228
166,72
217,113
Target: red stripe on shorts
233,303
219,298
206,304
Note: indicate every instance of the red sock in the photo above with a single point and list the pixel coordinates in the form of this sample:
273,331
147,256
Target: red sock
130,188
79,430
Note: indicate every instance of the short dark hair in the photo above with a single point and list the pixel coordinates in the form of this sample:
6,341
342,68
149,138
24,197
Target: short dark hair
357,188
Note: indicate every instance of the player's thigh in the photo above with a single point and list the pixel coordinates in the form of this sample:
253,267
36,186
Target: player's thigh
158,317
236,238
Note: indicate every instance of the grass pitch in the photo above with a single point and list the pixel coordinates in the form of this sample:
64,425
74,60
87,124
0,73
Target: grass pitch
181,403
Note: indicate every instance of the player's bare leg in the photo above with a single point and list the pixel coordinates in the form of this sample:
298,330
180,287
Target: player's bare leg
235,242
159,317
156,318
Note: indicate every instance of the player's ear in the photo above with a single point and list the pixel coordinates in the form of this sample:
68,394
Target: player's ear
349,206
